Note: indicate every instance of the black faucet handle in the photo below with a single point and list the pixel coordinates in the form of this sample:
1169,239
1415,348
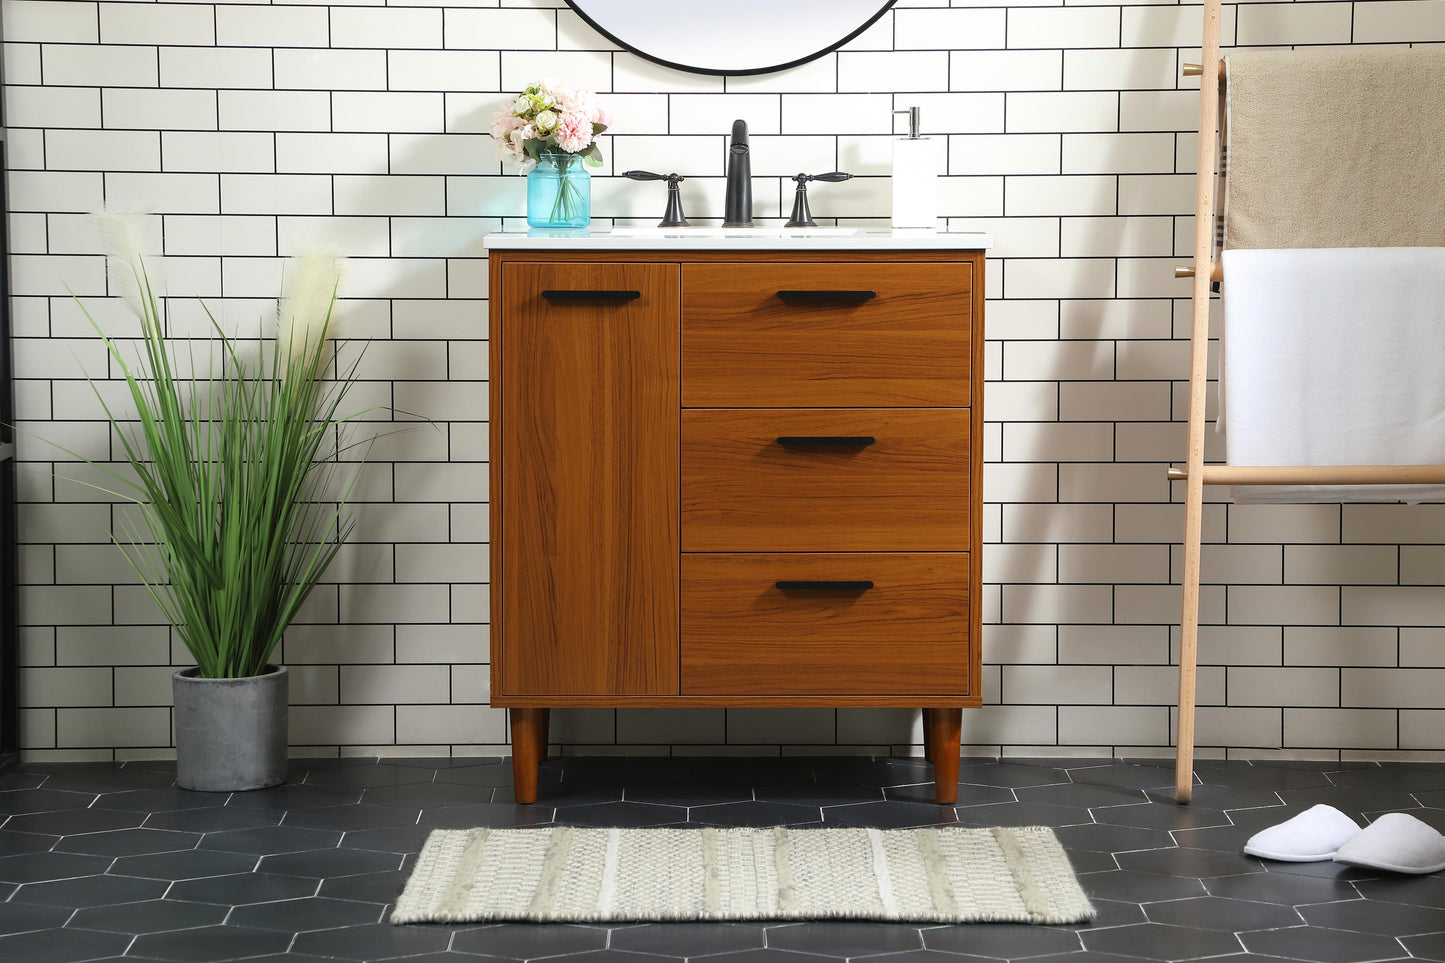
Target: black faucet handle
672,179
831,177
673,217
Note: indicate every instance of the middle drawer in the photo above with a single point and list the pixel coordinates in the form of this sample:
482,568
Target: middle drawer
825,480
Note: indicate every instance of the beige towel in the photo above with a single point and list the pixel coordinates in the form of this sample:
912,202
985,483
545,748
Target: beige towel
1334,147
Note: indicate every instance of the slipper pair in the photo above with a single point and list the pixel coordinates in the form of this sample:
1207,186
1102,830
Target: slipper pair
1396,842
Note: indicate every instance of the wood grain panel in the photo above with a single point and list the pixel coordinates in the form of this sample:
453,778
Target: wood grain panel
589,577
742,346
908,491
909,633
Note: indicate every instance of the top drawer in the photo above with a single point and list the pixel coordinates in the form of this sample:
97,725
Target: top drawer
807,334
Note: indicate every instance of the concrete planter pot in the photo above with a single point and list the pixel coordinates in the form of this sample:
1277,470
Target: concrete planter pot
231,733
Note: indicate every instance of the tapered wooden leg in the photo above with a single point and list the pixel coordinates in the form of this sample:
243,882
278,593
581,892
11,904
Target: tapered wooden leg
946,728
546,730
927,735
528,726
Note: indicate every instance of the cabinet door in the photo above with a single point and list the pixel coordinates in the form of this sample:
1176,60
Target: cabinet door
589,580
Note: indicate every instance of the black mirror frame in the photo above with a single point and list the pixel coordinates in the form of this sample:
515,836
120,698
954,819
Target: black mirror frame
887,5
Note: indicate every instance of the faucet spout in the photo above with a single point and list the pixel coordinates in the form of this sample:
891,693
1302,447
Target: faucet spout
738,207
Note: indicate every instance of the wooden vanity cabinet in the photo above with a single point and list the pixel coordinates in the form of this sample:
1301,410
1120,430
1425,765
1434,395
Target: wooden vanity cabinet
724,478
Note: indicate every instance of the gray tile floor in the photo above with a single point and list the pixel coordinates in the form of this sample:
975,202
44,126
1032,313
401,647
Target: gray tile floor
102,862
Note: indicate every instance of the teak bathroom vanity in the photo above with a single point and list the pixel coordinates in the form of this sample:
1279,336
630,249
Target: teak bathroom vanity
736,471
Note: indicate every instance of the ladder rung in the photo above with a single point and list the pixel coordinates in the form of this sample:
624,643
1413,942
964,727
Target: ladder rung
1317,474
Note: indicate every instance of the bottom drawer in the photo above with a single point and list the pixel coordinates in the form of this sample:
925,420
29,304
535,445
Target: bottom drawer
907,632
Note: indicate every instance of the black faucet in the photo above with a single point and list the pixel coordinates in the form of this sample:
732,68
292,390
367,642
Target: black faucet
738,208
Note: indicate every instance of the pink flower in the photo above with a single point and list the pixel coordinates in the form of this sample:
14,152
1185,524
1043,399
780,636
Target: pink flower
574,132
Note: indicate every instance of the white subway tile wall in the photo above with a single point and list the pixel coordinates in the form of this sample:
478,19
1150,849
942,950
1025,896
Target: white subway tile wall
249,129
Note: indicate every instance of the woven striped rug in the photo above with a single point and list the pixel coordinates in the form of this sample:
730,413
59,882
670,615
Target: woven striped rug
564,874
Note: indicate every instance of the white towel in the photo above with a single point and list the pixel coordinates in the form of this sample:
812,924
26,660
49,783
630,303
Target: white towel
1334,356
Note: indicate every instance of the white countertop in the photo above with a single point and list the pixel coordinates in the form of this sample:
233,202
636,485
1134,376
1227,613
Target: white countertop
740,239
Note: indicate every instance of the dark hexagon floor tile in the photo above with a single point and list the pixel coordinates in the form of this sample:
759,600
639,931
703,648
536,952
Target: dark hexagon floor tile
27,917
1124,776
1161,816
378,941
442,763
398,839
1084,861
1023,814
1002,941
688,939
293,796
619,956
110,778
1429,947
149,916
20,843
1325,869
844,939
326,863
890,815
1322,945
1220,839
909,956
368,777
1410,890
1266,776
686,794
270,840
1282,888
1216,913
1354,802
619,814
492,777
383,887
66,822
1112,839
525,941
427,795
1112,912
494,815
305,914
346,818
1156,941
1078,794
161,800
39,867
1372,916
240,889
752,814
18,801
852,771
1011,775
1133,887
209,943
787,956
61,946
186,864
90,891
128,842
967,795
813,795
1188,862
213,820
1226,798
13,779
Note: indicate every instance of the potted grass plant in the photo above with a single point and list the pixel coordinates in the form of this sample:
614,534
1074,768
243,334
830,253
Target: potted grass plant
241,503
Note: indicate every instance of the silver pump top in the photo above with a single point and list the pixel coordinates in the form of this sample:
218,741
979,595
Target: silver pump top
913,121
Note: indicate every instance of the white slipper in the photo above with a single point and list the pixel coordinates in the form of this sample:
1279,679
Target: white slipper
1314,835
1397,842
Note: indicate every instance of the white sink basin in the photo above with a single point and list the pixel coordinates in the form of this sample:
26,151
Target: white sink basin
642,232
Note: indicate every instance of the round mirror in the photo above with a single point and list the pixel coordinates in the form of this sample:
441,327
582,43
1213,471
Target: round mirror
731,36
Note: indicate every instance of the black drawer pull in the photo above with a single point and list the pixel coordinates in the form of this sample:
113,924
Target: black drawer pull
836,585
591,295
851,297
837,441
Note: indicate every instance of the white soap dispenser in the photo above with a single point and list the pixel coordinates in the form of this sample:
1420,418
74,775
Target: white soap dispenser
915,177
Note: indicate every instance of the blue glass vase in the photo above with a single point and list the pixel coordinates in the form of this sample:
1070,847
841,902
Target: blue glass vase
559,192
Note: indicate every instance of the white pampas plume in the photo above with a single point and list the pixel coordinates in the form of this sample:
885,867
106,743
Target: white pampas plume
128,268
304,316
